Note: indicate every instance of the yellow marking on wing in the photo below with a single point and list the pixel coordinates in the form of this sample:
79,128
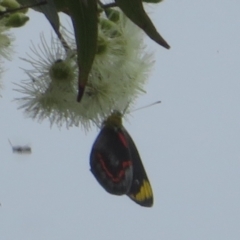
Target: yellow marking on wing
144,193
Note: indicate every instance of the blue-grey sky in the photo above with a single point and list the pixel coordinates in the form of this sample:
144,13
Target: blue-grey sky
190,143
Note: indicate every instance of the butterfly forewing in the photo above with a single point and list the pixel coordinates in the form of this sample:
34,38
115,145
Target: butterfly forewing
110,161
141,190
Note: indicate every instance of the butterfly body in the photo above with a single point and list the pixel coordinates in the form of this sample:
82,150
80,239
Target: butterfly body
116,163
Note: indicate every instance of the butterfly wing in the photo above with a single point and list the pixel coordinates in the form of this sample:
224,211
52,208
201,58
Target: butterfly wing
110,160
141,190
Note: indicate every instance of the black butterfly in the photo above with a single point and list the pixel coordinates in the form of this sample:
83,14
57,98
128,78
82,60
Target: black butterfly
116,163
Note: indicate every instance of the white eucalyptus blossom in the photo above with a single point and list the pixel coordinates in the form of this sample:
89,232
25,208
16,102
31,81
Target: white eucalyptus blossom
118,75
51,87
120,69
5,41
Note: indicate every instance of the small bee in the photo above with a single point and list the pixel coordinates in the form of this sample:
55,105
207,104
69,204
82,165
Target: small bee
20,149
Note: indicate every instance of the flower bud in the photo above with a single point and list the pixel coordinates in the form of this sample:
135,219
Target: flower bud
112,15
16,20
10,4
61,71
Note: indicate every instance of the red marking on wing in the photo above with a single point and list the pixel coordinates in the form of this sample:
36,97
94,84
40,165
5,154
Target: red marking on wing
125,165
123,139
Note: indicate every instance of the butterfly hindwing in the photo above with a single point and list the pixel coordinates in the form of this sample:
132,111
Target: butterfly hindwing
141,190
110,160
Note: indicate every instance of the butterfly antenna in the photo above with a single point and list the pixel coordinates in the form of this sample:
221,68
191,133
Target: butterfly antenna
126,108
149,105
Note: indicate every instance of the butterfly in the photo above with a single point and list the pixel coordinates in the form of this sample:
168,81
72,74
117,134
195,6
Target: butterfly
116,163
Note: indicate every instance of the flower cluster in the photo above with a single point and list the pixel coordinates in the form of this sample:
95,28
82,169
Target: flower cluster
118,75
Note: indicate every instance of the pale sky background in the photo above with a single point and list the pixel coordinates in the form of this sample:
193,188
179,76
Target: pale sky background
189,144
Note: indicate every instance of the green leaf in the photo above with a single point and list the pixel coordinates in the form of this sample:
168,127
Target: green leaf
84,16
134,10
